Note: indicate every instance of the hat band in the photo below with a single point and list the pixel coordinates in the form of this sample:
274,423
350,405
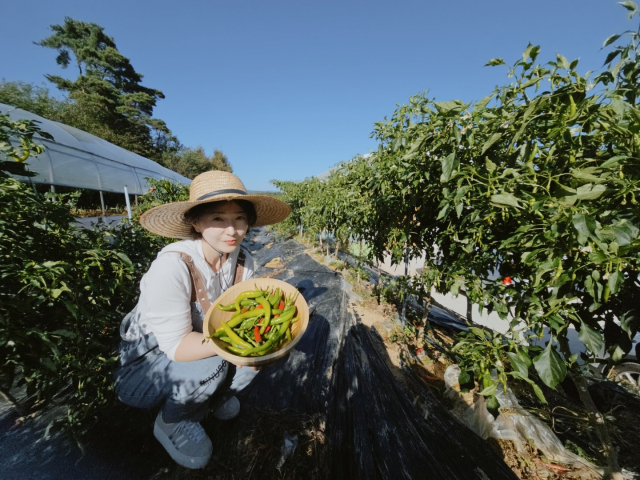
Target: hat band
221,192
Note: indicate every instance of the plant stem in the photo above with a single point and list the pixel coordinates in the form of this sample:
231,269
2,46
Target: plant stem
597,420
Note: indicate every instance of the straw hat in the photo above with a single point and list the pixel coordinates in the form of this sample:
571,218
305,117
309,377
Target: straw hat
168,219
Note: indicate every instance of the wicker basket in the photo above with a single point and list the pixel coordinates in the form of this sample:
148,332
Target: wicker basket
215,316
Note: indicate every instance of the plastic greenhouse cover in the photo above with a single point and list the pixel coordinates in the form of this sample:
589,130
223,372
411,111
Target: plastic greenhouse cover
78,159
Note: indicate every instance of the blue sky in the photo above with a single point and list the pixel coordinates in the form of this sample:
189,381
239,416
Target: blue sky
288,88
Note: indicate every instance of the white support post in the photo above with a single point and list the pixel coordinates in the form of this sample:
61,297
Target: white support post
126,198
102,204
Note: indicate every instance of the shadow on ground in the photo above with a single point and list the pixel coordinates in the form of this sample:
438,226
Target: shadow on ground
334,397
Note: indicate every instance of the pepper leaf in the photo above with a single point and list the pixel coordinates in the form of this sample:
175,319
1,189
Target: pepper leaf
550,366
592,339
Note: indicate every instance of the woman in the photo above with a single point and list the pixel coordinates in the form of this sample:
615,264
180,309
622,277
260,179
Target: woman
164,357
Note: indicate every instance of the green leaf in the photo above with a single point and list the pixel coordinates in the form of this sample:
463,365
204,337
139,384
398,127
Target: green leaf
450,105
613,161
618,106
520,362
483,103
615,281
610,40
585,225
56,292
562,61
531,81
495,62
64,333
624,233
611,56
537,390
505,199
464,377
444,211
449,164
494,138
628,324
491,167
587,175
590,191
550,367
490,390
631,6
480,333
124,258
618,354
592,339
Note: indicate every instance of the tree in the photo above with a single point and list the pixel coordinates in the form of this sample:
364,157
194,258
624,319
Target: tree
113,103
194,161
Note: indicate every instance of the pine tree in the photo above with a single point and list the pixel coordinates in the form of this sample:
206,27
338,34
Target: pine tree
116,106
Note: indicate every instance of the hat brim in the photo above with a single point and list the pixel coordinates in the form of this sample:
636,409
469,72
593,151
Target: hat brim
168,219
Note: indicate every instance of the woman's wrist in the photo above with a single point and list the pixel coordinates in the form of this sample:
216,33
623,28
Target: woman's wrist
194,346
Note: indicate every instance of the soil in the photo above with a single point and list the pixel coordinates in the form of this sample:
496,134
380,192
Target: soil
565,415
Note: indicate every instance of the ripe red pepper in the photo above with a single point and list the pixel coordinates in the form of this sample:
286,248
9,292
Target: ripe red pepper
259,306
267,329
256,334
281,305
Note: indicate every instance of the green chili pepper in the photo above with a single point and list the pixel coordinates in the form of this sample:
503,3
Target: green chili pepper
267,313
228,308
234,337
238,319
245,295
249,302
248,323
275,298
284,317
235,350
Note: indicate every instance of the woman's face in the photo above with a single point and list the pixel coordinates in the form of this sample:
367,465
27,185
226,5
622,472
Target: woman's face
223,227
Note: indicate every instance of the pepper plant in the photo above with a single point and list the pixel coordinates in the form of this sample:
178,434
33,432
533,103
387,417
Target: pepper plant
537,182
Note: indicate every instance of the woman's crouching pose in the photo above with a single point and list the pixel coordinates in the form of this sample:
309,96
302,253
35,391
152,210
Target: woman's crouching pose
163,359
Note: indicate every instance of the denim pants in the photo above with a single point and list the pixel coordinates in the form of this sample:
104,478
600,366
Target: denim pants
147,378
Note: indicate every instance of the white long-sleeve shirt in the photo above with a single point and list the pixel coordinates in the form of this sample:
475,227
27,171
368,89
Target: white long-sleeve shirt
165,307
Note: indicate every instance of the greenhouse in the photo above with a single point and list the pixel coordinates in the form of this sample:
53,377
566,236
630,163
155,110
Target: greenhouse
78,159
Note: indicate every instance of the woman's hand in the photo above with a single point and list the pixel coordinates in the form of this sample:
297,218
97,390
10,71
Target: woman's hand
252,368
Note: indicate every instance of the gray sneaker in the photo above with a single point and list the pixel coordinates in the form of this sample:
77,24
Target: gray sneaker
185,441
228,410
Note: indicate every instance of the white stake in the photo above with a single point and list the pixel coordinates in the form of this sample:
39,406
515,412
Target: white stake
126,198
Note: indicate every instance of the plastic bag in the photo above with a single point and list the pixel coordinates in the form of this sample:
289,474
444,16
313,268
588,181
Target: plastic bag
475,415
531,428
289,446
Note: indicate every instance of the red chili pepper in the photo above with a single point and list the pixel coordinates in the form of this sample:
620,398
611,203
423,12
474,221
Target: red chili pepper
259,306
267,329
256,334
281,305
276,316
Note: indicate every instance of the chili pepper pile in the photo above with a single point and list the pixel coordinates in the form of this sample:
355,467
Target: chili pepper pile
262,322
